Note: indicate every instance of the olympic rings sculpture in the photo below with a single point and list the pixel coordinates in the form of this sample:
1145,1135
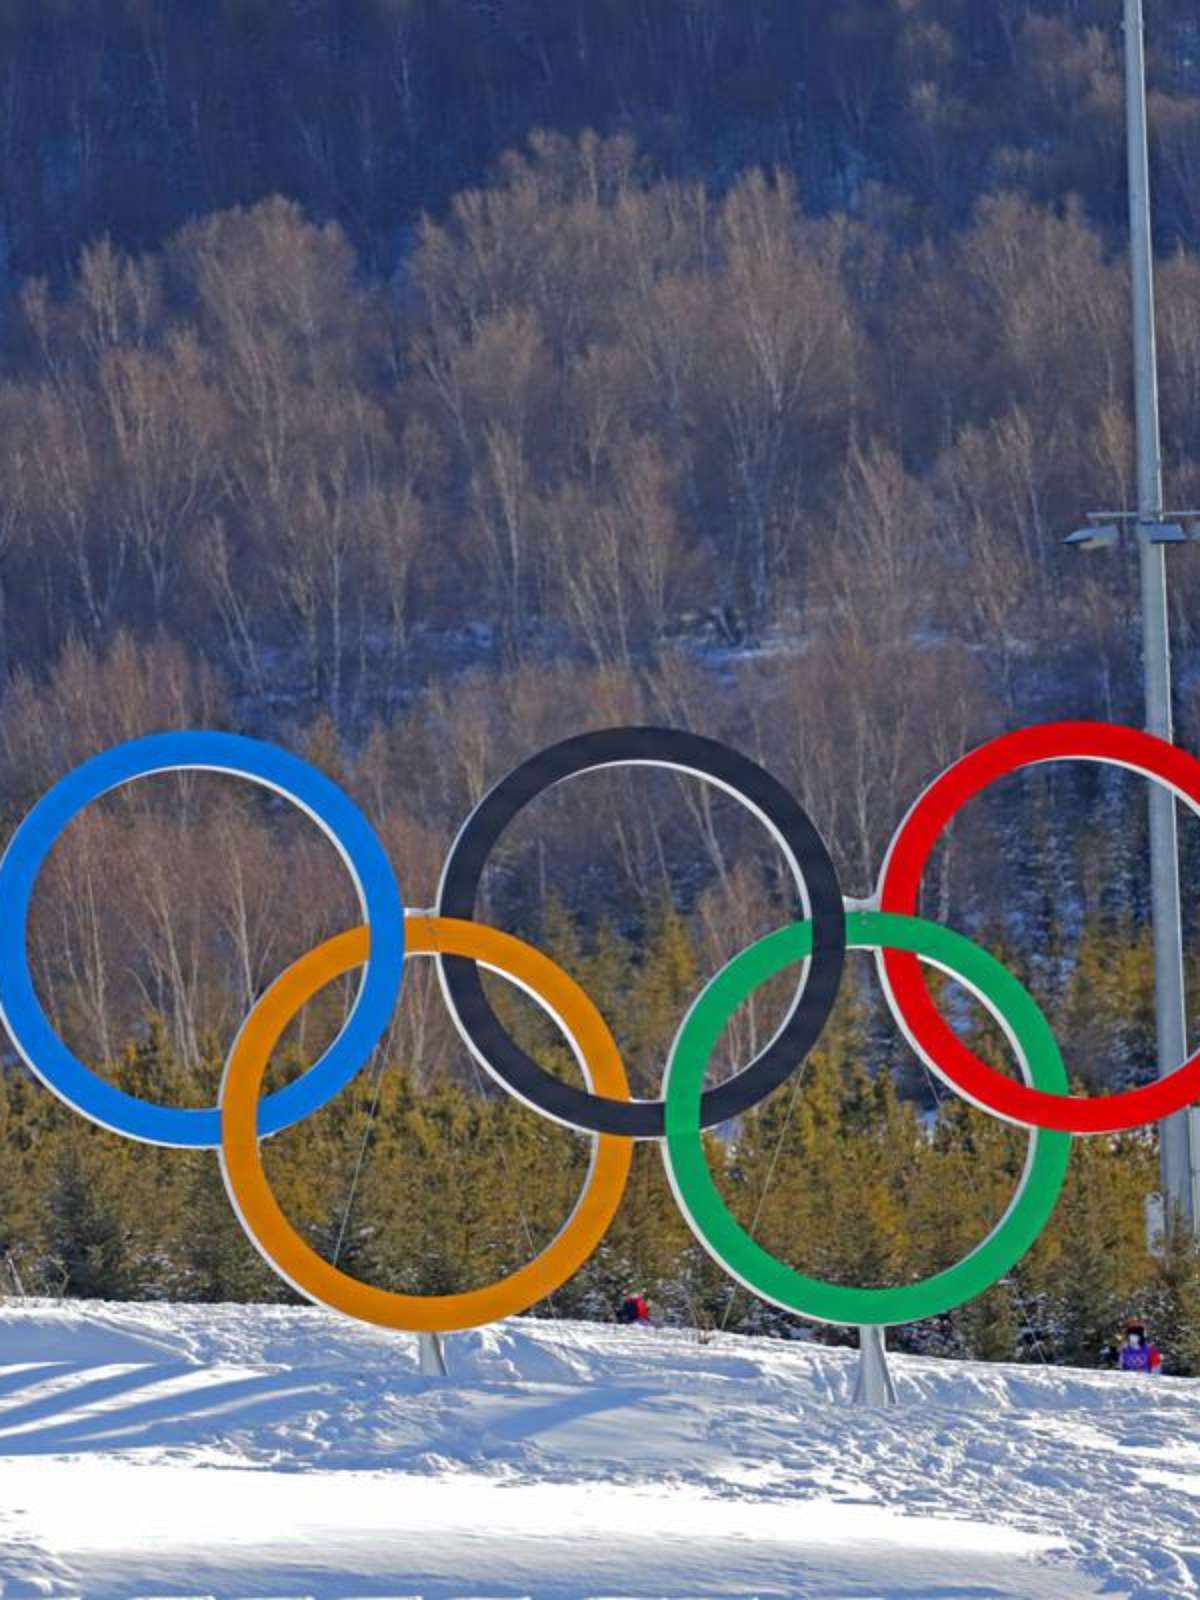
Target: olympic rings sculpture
815,945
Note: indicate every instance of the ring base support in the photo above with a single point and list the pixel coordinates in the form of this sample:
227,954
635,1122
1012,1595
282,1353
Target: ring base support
431,1356
874,1386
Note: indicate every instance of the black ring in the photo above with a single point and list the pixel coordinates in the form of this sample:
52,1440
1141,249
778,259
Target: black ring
816,880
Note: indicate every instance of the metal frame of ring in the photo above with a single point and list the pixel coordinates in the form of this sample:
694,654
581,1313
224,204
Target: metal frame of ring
338,818
300,1265
737,1252
899,890
806,855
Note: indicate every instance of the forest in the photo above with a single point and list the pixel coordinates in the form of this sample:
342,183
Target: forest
416,383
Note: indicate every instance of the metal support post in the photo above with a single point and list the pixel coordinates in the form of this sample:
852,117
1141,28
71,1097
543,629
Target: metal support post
1178,1134
431,1355
874,1386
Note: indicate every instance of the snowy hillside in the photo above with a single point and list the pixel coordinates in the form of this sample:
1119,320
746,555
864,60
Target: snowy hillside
230,1451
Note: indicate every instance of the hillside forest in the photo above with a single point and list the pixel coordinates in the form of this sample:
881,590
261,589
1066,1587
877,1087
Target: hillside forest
415,384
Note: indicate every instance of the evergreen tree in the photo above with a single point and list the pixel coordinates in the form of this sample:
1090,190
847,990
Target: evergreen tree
1170,1305
216,1261
84,1236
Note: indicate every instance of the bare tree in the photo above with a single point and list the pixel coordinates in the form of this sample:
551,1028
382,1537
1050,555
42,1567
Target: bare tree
16,465
881,573
621,557
496,389
69,486
165,418
783,345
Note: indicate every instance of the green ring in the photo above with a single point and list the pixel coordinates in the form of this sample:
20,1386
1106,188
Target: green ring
728,1242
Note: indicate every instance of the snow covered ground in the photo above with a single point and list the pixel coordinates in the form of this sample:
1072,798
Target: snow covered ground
232,1451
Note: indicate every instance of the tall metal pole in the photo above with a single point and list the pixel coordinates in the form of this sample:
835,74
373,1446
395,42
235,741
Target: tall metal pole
1181,1189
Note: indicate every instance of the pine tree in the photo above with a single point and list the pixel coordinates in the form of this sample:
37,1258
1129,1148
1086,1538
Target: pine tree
216,1261
1170,1305
84,1236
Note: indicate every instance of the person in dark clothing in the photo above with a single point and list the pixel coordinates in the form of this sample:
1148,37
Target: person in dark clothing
1136,1354
634,1309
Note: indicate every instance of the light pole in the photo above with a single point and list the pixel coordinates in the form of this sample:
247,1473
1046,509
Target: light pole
1155,529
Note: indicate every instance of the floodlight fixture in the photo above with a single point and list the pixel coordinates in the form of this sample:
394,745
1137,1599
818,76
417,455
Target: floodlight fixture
1163,532
1094,538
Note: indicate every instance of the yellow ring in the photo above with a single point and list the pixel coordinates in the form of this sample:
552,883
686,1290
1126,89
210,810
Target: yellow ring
273,1234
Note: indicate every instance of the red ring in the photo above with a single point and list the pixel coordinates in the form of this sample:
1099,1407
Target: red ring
899,889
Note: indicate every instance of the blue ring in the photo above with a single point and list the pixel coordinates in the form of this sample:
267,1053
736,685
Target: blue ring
341,821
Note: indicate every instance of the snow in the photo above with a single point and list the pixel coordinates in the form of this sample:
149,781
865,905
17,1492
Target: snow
228,1451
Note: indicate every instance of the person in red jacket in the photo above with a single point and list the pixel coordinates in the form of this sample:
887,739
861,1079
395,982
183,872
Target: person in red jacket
634,1309
1136,1354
